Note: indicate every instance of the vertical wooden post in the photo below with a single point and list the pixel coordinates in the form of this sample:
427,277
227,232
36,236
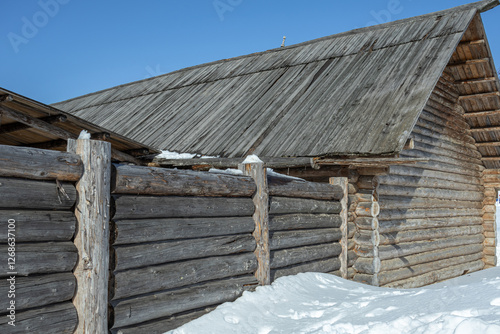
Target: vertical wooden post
257,171
92,235
343,183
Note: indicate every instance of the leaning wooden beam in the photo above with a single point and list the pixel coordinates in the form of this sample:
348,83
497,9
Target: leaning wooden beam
92,236
479,96
482,113
257,171
13,127
38,164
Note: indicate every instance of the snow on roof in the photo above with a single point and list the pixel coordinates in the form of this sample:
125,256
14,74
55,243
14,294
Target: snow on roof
322,303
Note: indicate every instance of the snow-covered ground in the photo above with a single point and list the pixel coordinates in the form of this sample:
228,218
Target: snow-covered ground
322,303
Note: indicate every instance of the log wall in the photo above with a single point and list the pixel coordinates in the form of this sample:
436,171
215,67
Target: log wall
491,181
430,221
184,242
36,197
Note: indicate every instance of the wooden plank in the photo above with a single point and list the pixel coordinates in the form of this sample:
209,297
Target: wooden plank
136,256
36,226
54,319
293,256
488,144
321,266
288,187
290,239
270,162
288,205
92,236
40,290
147,230
162,277
140,180
304,221
258,173
13,127
162,304
469,62
482,113
476,81
38,164
134,207
370,162
479,96
41,258
36,195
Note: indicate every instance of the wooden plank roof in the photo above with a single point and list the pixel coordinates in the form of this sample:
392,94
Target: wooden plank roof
354,93
26,122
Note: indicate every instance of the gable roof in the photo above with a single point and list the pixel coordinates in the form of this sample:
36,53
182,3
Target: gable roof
354,93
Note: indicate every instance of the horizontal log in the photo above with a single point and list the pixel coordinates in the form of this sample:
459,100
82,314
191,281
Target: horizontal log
35,195
32,163
140,180
446,139
37,291
442,119
291,239
178,274
387,277
367,209
287,205
427,213
448,168
288,187
41,258
386,252
366,223
466,150
367,238
54,319
490,260
456,157
399,202
322,266
371,171
427,182
437,275
162,325
303,221
131,207
163,304
388,226
146,230
292,256
40,225
460,137
443,159
386,190
136,256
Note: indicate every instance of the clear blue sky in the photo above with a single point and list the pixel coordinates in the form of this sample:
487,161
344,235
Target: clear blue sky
52,50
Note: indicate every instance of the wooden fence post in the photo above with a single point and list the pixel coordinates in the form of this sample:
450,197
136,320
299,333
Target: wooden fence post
257,171
92,235
343,183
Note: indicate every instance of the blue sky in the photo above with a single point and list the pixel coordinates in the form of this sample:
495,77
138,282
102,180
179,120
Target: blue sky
52,50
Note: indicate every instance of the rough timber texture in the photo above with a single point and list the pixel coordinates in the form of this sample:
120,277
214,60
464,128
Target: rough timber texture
491,180
368,85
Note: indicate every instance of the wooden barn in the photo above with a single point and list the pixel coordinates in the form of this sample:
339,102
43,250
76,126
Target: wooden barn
408,110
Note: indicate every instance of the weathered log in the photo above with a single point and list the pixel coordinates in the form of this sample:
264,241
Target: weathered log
452,147
41,258
351,229
36,195
287,205
447,168
489,234
367,238
367,182
131,207
442,159
490,242
303,221
388,226
367,209
346,228
322,266
464,137
146,230
427,182
367,265
429,193
366,223
288,187
292,256
174,275
352,188
40,225
429,213
490,260
164,304
291,239
400,202
371,171
422,130
437,275
163,324
55,319
386,252
140,180
32,163
490,251
141,255
366,279
38,290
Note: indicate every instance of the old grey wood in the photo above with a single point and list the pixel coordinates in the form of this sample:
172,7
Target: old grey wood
288,187
292,256
288,205
290,239
304,221
321,266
